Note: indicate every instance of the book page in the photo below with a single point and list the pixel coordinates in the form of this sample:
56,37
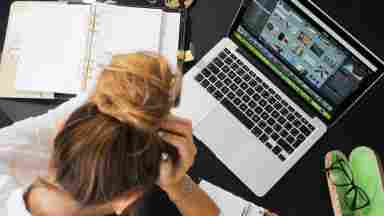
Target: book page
121,30
53,40
169,39
9,59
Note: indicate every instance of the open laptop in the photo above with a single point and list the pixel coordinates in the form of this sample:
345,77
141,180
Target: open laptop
284,74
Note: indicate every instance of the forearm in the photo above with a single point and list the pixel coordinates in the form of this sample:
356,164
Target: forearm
191,200
25,146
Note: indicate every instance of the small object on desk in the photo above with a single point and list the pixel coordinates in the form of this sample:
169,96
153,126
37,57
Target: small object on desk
182,43
174,4
183,37
187,55
152,1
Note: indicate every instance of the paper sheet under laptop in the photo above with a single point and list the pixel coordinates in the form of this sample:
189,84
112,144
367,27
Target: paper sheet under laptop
42,44
229,204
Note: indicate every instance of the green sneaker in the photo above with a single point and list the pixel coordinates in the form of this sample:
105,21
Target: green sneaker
367,170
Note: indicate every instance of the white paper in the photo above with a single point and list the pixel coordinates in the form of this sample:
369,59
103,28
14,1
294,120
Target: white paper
155,31
229,204
255,210
10,56
122,30
3,180
169,42
53,40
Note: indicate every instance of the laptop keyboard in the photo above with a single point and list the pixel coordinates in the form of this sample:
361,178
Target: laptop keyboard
270,118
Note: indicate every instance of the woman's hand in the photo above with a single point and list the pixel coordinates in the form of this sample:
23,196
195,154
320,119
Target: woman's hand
269,213
177,132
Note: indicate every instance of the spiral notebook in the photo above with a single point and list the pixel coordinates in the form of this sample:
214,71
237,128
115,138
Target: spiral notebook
59,47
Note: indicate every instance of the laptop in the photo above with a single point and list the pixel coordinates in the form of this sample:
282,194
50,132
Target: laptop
284,74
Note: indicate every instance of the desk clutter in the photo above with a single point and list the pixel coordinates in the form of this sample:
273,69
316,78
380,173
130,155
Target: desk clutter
356,184
55,47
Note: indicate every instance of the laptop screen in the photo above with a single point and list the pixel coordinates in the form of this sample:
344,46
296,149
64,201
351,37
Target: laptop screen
319,66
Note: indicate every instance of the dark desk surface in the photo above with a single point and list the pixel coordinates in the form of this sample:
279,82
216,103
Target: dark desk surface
303,191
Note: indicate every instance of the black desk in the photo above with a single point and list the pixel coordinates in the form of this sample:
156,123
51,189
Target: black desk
303,191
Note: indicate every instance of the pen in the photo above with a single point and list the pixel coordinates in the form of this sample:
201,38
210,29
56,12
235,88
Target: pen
184,20
181,57
246,210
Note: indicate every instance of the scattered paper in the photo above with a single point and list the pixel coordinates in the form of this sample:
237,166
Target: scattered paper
230,204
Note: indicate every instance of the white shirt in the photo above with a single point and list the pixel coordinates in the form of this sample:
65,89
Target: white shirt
25,148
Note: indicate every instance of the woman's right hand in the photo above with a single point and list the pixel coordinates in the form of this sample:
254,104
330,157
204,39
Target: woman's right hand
177,132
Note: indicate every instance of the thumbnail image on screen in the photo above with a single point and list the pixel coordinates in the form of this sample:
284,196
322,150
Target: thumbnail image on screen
306,57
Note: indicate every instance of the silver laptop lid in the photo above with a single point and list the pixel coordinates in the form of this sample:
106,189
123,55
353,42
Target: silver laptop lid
316,62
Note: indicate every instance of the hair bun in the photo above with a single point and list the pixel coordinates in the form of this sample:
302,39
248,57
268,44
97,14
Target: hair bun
135,89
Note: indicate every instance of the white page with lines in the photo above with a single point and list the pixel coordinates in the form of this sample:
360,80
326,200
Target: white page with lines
9,59
53,40
169,39
161,35
120,30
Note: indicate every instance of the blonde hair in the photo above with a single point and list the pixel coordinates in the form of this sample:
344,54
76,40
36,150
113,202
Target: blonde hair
109,145
135,89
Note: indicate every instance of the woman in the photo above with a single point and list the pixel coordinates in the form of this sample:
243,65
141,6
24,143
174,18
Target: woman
99,153
113,146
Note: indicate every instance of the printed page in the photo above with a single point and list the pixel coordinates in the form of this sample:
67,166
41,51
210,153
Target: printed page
53,40
120,30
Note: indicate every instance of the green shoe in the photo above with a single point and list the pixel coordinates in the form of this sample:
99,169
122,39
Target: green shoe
367,170
337,193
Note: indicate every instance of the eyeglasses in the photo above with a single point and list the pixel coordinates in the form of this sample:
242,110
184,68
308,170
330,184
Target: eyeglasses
340,174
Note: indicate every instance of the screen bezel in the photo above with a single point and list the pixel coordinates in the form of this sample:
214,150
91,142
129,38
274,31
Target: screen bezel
364,86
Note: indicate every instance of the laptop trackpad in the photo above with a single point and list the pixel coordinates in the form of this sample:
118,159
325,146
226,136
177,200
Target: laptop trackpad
234,145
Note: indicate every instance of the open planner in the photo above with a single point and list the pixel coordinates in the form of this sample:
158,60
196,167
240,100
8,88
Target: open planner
54,47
